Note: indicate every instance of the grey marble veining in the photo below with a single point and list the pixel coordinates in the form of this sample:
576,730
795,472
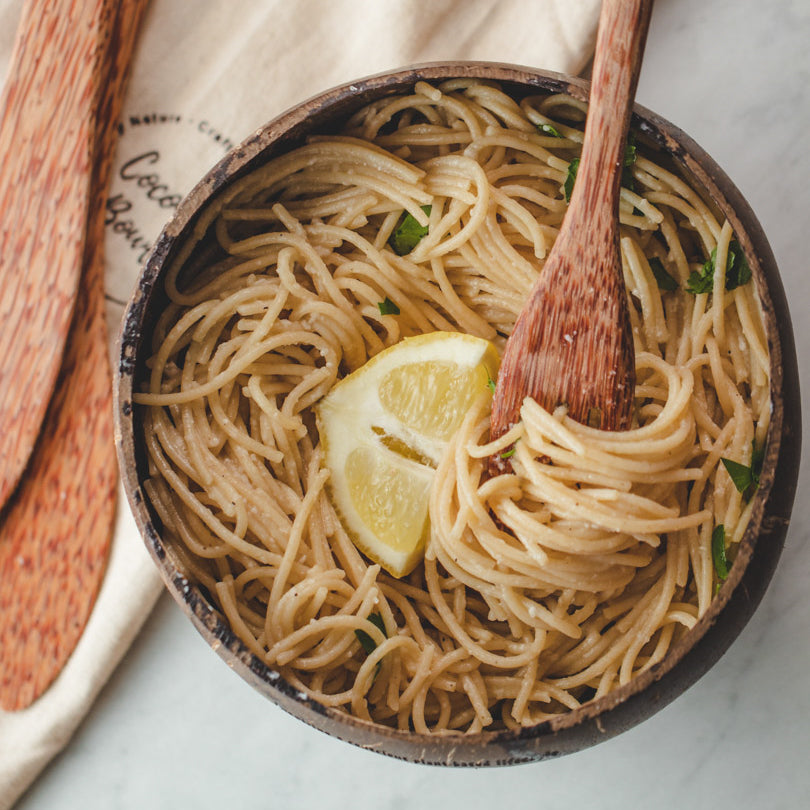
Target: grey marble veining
735,75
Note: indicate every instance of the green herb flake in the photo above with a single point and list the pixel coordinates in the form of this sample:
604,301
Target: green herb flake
719,552
510,452
547,129
757,460
568,186
408,233
388,307
628,181
738,271
746,478
740,474
490,382
630,153
665,281
701,281
366,641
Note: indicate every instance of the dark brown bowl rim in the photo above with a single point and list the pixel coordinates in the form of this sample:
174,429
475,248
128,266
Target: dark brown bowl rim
759,549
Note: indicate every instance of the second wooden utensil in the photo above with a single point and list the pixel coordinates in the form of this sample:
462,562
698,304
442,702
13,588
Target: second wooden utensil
46,132
572,343
55,533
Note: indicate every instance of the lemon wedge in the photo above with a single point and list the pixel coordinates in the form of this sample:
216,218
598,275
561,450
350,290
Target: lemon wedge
383,430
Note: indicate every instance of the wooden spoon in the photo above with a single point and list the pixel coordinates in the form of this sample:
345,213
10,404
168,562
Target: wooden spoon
46,132
572,343
55,531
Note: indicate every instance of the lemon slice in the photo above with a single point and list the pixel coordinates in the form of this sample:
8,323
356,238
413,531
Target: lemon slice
383,430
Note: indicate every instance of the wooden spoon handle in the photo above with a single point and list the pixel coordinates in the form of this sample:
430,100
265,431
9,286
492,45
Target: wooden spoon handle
55,533
620,42
572,343
46,132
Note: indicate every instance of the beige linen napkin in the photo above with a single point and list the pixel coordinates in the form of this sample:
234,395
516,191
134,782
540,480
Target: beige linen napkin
206,74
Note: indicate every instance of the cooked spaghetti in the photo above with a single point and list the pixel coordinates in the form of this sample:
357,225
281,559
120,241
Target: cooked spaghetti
541,588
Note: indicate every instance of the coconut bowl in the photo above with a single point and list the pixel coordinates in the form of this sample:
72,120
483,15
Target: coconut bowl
759,550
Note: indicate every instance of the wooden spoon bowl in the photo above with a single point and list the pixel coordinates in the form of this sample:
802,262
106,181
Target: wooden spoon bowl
758,551
572,342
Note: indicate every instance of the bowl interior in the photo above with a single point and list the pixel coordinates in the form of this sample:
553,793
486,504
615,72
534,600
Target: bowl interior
758,551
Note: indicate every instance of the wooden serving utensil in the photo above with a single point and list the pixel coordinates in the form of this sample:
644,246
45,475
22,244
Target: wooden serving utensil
572,343
55,531
46,139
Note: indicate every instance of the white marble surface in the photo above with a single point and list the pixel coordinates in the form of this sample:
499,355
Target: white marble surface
175,728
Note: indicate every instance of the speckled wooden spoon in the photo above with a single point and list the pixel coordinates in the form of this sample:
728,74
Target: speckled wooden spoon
572,343
46,136
56,529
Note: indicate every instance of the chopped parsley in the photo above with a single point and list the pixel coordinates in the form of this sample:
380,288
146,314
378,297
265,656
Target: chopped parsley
701,281
738,271
388,307
757,460
511,451
746,478
568,186
547,129
630,152
367,642
408,233
490,382
719,552
627,176
665,281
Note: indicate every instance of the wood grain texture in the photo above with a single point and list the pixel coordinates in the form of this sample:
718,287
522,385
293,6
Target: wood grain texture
572,343
55,531
46,120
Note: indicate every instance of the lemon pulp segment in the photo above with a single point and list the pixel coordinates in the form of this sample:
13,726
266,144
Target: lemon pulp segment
383,430
389,498
432,397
